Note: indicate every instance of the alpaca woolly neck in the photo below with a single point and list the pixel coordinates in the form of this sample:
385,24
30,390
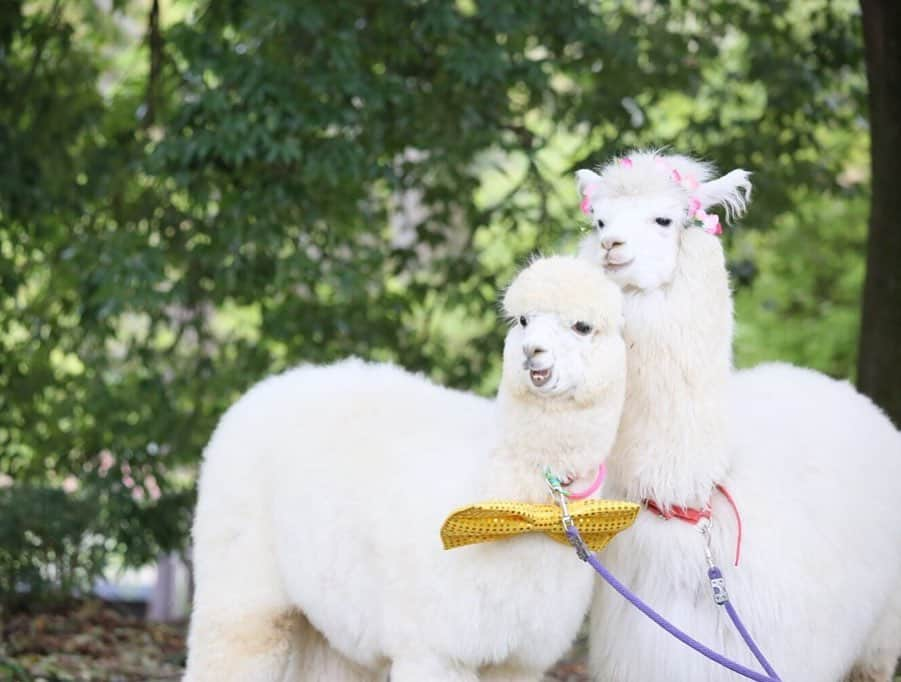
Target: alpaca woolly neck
556,433
671,445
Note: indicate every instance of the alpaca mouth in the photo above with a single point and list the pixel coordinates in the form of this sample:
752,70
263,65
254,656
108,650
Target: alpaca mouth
614,266
540,377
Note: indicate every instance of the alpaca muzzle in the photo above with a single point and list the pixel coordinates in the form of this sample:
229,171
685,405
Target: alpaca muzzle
539,364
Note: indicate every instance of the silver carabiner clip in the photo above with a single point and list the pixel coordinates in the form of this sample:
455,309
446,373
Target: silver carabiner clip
704,529
559,498
567,519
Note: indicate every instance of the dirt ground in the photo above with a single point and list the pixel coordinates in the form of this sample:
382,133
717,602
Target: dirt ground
94,642
89,642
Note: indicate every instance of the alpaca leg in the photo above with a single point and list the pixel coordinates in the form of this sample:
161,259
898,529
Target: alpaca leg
233,647
242,622
313,659
434,670
864,673
879,659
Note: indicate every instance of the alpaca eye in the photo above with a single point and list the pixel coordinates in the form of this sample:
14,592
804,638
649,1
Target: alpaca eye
663,222
582,328
523,321
600,224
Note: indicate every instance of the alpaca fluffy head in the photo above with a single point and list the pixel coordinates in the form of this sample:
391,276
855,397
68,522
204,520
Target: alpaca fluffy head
566,333
639,205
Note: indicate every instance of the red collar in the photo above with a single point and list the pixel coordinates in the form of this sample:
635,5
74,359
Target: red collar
687,514
693,515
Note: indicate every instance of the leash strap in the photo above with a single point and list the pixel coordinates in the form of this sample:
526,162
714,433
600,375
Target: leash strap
720,597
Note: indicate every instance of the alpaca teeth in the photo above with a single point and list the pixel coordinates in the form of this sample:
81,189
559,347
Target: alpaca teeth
539,376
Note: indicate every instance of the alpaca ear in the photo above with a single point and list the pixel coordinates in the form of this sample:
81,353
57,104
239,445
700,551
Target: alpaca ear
732,191
585,179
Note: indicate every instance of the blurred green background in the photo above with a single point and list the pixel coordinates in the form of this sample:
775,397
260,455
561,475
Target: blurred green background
196,194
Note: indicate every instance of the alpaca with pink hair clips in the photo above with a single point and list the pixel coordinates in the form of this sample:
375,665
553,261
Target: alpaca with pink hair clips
814,467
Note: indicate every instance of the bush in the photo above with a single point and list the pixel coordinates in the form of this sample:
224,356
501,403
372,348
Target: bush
50,547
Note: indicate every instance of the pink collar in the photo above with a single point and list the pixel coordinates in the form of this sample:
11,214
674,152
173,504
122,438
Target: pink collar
693,516
593,488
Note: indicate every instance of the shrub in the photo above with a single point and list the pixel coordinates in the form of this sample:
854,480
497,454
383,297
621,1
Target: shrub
50,548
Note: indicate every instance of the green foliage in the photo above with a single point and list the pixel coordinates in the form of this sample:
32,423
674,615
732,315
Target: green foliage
249,185
49,545
810,273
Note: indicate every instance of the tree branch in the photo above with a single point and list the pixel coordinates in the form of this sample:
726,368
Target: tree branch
38,56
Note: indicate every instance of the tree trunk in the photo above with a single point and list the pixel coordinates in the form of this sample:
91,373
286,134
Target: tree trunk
879,360
160,606
155,48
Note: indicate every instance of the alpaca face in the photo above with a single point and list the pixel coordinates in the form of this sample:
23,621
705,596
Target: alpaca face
636,241
566,333
639,207
543,353
549,356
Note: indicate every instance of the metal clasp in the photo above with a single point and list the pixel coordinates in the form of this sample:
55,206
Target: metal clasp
559,496
704,529
717,582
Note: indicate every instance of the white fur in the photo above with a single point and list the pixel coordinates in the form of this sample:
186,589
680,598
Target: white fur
323,491
814,468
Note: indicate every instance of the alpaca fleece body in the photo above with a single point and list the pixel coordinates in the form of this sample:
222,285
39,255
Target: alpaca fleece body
813,466
323,491
814,469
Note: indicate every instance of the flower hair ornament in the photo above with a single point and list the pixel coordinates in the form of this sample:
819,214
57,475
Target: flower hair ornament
698,217
709,222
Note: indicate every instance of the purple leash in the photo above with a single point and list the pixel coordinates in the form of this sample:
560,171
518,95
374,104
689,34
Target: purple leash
719,596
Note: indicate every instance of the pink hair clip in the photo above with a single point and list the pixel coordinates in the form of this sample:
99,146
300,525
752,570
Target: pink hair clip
709,221
687,181
586,199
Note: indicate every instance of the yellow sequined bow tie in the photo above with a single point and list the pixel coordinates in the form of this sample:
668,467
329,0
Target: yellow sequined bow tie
597,520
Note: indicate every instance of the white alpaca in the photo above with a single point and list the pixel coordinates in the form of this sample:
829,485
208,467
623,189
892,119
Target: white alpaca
814,467
323,491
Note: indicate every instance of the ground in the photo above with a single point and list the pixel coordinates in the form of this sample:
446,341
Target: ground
95,642
88,642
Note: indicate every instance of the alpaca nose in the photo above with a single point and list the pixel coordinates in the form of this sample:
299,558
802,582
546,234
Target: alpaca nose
532,350
610,243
